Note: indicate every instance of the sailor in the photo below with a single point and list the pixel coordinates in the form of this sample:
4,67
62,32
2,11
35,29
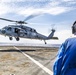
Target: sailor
65,63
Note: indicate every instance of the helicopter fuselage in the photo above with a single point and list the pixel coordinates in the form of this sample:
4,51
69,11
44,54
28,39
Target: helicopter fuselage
22,31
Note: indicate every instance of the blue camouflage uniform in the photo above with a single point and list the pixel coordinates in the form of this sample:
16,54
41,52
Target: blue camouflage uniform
65,63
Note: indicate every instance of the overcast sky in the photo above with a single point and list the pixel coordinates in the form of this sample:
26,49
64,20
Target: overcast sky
60,13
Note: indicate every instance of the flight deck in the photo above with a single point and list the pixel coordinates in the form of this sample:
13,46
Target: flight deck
27,60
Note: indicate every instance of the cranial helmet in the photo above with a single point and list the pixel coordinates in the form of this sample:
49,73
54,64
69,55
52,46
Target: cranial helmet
74,28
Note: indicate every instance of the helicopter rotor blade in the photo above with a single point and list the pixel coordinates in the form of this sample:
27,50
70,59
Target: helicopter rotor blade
32,16
7,20
18,22
23,22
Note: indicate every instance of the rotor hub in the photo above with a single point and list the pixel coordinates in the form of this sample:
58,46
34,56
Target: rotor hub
21,22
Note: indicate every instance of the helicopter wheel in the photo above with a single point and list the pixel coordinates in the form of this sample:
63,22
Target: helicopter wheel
17,39
45,42
10,38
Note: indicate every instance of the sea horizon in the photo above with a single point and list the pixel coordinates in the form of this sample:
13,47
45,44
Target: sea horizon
29,44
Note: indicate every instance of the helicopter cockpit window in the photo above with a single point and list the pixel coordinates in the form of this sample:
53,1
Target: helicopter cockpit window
9,28
4,28
32,30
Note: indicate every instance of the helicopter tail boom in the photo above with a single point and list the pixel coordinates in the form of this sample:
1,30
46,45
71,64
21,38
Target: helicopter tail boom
51,35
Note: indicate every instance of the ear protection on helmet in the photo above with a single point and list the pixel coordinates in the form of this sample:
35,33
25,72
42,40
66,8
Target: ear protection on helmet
74,27
73,30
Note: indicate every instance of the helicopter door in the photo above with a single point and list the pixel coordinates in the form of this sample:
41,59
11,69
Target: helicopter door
17,30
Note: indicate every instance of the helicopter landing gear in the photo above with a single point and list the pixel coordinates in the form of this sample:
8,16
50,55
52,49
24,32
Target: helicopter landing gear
10,38
45,42
17,39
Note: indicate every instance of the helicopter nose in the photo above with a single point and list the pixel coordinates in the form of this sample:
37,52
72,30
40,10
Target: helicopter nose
3,31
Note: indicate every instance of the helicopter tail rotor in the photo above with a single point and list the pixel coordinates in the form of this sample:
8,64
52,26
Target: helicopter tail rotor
53,28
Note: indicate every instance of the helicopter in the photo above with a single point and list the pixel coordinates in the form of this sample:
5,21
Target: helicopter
22,31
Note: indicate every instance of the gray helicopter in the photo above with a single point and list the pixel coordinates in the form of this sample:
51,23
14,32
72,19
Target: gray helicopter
21,31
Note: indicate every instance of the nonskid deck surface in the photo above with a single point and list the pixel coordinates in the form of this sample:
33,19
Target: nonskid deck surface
26,60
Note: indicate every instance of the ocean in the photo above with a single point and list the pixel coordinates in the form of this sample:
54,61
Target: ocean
30,44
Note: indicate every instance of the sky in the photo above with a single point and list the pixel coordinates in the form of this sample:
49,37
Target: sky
58,14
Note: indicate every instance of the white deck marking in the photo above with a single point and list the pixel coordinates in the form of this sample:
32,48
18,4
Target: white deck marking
36,62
